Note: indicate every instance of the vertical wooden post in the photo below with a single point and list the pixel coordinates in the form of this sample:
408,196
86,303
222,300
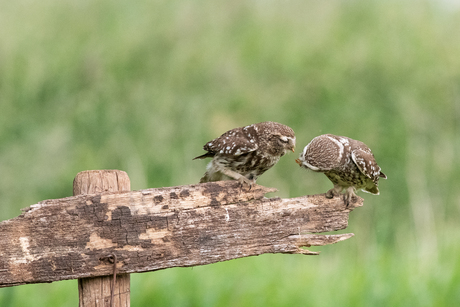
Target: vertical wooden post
96,292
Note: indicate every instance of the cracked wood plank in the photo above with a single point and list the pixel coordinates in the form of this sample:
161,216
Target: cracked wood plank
161,228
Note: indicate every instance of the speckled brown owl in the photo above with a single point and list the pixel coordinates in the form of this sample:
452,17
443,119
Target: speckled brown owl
246,153
348,163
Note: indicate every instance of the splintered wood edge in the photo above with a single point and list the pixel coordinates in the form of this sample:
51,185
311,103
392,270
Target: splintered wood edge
307,240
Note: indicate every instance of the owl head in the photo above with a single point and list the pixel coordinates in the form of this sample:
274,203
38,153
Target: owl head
278,138
323,153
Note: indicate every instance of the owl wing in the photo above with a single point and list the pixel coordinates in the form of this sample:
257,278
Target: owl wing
234,142
365,161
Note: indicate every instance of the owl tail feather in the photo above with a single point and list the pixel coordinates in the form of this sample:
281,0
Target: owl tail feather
374,190
206,155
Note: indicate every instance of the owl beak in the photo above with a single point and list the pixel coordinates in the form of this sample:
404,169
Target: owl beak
293,149
298,162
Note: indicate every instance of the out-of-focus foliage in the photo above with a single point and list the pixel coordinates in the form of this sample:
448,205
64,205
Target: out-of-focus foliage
141,85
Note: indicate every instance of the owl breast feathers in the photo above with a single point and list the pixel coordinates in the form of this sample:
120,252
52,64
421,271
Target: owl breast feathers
246,153
348,163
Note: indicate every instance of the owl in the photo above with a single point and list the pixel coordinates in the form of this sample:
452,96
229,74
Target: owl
348,163
245,153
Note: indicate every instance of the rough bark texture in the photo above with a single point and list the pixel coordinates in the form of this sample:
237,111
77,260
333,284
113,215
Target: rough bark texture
161,228
97,291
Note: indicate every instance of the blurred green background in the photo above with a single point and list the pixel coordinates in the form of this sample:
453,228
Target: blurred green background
140,86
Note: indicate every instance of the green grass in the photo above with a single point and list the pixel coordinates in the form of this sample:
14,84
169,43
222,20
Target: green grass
141,86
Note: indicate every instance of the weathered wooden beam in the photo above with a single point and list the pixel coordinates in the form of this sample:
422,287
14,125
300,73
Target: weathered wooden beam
161,228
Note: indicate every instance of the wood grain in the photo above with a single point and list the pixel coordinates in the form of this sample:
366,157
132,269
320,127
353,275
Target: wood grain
161,228
97,291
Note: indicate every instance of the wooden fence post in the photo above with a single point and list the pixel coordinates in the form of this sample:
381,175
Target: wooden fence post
96,291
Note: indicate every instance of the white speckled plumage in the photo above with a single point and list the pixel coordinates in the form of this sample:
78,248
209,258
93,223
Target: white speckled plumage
348,163
247,152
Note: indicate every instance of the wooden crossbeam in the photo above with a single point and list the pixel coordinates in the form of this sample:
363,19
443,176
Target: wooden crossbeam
161,228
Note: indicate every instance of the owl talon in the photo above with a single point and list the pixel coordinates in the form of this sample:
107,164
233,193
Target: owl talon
245,183
330,194
346,201
335,191
350,196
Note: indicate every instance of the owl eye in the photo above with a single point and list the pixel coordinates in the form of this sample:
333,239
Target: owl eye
284,139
